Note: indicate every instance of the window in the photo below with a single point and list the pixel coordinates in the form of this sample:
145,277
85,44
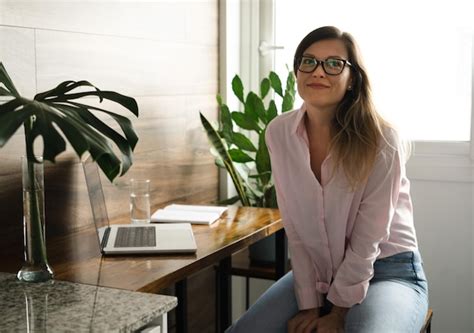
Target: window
418,55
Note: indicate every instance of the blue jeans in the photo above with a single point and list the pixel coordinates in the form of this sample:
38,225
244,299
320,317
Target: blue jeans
397,301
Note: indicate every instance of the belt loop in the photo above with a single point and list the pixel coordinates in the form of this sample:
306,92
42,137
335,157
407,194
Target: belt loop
413,265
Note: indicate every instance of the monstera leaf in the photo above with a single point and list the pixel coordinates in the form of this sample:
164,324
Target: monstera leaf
57,115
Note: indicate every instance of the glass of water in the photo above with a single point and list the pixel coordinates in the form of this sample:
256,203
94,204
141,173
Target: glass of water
140,200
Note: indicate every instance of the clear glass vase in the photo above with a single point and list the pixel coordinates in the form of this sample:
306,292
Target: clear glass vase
35,267
36,307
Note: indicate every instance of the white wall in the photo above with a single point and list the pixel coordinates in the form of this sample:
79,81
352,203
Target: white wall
443,215
443,208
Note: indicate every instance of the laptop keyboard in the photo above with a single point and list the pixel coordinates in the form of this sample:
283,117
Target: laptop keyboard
135,237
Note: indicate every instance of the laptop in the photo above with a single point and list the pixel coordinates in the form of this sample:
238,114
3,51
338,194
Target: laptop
133,238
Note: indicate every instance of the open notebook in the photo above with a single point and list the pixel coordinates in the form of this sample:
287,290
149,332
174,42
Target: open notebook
196,214
133,238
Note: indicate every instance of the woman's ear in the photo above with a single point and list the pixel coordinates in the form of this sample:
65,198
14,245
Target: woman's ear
350,84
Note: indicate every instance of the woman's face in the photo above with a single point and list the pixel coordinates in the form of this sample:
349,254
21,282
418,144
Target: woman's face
318,89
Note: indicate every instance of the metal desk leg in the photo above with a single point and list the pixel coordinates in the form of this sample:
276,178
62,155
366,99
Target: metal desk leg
281,254
182,308
224,295
247,292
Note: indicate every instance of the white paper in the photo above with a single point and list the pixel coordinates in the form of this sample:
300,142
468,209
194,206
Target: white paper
164,215
196,214
197,208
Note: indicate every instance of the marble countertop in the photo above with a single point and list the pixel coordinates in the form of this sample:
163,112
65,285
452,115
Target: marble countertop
64,306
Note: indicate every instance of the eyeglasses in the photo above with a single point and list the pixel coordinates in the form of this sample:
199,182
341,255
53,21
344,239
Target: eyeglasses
331,66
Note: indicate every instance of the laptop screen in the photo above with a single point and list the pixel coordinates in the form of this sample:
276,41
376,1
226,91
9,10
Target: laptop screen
96,196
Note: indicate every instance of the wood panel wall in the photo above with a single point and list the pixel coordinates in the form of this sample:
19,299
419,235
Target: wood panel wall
163,53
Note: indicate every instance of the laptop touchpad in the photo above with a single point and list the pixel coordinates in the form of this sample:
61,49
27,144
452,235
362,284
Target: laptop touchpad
174,239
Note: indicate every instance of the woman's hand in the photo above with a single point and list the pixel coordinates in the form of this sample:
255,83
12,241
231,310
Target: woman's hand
332,323
304,321
308,321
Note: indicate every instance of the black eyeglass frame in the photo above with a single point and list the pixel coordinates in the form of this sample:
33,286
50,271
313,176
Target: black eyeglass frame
322,62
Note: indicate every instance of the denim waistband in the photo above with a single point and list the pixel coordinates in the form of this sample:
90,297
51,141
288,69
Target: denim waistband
405,265
409,256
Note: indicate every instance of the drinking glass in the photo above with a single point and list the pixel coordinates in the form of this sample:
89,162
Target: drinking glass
140,200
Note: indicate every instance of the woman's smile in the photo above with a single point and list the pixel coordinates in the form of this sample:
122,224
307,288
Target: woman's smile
317,85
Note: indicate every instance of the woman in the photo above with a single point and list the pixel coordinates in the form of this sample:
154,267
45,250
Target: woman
341,185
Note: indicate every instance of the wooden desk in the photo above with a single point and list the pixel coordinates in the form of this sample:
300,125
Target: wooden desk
76,258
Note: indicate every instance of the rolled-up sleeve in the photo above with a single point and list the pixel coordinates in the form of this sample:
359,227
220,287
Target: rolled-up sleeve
371,227
303,269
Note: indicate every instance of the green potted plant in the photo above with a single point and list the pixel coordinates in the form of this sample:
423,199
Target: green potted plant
57,115
245,157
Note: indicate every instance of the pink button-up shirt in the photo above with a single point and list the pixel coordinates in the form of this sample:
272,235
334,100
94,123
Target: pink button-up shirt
335,234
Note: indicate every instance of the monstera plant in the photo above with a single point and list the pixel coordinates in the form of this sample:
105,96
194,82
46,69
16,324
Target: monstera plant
58,116
238,144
